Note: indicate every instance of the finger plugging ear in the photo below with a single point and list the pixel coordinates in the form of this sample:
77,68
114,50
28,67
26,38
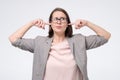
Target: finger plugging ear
71,23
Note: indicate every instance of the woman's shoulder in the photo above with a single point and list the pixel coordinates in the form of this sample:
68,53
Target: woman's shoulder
79,35
42,38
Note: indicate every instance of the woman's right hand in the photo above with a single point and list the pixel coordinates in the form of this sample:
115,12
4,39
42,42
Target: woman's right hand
39,23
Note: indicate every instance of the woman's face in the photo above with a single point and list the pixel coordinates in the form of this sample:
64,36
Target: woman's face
59,22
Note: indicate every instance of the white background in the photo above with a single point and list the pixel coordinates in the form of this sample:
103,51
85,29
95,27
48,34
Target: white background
103,62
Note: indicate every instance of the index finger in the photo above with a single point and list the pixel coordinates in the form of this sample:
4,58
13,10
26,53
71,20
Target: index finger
47,23
71,24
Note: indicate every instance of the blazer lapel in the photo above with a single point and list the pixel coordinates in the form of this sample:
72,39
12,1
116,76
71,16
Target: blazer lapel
70,41
47,46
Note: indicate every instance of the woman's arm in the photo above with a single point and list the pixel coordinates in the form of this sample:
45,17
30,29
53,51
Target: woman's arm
20,32
97,29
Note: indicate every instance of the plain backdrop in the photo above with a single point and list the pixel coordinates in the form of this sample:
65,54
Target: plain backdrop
103,62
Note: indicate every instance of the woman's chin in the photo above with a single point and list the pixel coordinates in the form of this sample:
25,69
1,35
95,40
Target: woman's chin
59,31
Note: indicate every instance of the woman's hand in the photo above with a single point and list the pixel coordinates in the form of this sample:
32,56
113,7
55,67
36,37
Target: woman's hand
39,23
79,23
97,29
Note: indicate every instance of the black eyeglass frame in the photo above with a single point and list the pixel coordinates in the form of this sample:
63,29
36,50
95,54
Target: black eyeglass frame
61,19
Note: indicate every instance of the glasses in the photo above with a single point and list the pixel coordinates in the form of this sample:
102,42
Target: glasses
62,20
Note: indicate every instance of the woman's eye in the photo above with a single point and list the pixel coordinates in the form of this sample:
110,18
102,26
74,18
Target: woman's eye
62,18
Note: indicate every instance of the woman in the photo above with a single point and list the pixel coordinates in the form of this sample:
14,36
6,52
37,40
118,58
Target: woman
60,55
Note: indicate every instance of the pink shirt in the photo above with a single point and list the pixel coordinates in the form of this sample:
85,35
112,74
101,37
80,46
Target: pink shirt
61,64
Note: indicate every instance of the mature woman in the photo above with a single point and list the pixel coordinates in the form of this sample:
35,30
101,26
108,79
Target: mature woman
60,55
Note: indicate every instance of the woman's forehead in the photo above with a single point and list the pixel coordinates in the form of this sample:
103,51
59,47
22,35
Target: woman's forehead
58,14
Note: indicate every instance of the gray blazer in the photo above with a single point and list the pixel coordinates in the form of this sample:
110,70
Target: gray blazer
40,46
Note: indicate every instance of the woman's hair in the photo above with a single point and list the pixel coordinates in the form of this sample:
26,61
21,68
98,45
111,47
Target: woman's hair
68,32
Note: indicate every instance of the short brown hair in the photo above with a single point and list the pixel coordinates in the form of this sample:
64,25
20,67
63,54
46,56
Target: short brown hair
68,32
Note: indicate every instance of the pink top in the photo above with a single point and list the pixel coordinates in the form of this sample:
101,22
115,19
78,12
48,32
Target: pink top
61,64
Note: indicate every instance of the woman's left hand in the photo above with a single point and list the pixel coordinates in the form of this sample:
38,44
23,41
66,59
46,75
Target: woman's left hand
79,23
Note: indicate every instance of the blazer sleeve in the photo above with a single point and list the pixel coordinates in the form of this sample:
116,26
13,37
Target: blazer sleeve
25,44
94,41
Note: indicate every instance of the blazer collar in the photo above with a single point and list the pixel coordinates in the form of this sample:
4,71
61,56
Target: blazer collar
46,48
48,44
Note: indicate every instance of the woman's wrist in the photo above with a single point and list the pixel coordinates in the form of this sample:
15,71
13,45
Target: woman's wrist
88,23
30,24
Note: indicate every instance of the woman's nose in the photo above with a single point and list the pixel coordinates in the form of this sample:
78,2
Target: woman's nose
59,21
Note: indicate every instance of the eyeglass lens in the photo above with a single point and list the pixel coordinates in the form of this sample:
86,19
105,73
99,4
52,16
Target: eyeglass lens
62,19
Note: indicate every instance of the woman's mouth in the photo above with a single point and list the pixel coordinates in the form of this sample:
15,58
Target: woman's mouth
58,27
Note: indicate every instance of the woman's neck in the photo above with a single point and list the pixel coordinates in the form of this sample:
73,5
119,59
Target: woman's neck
58,38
